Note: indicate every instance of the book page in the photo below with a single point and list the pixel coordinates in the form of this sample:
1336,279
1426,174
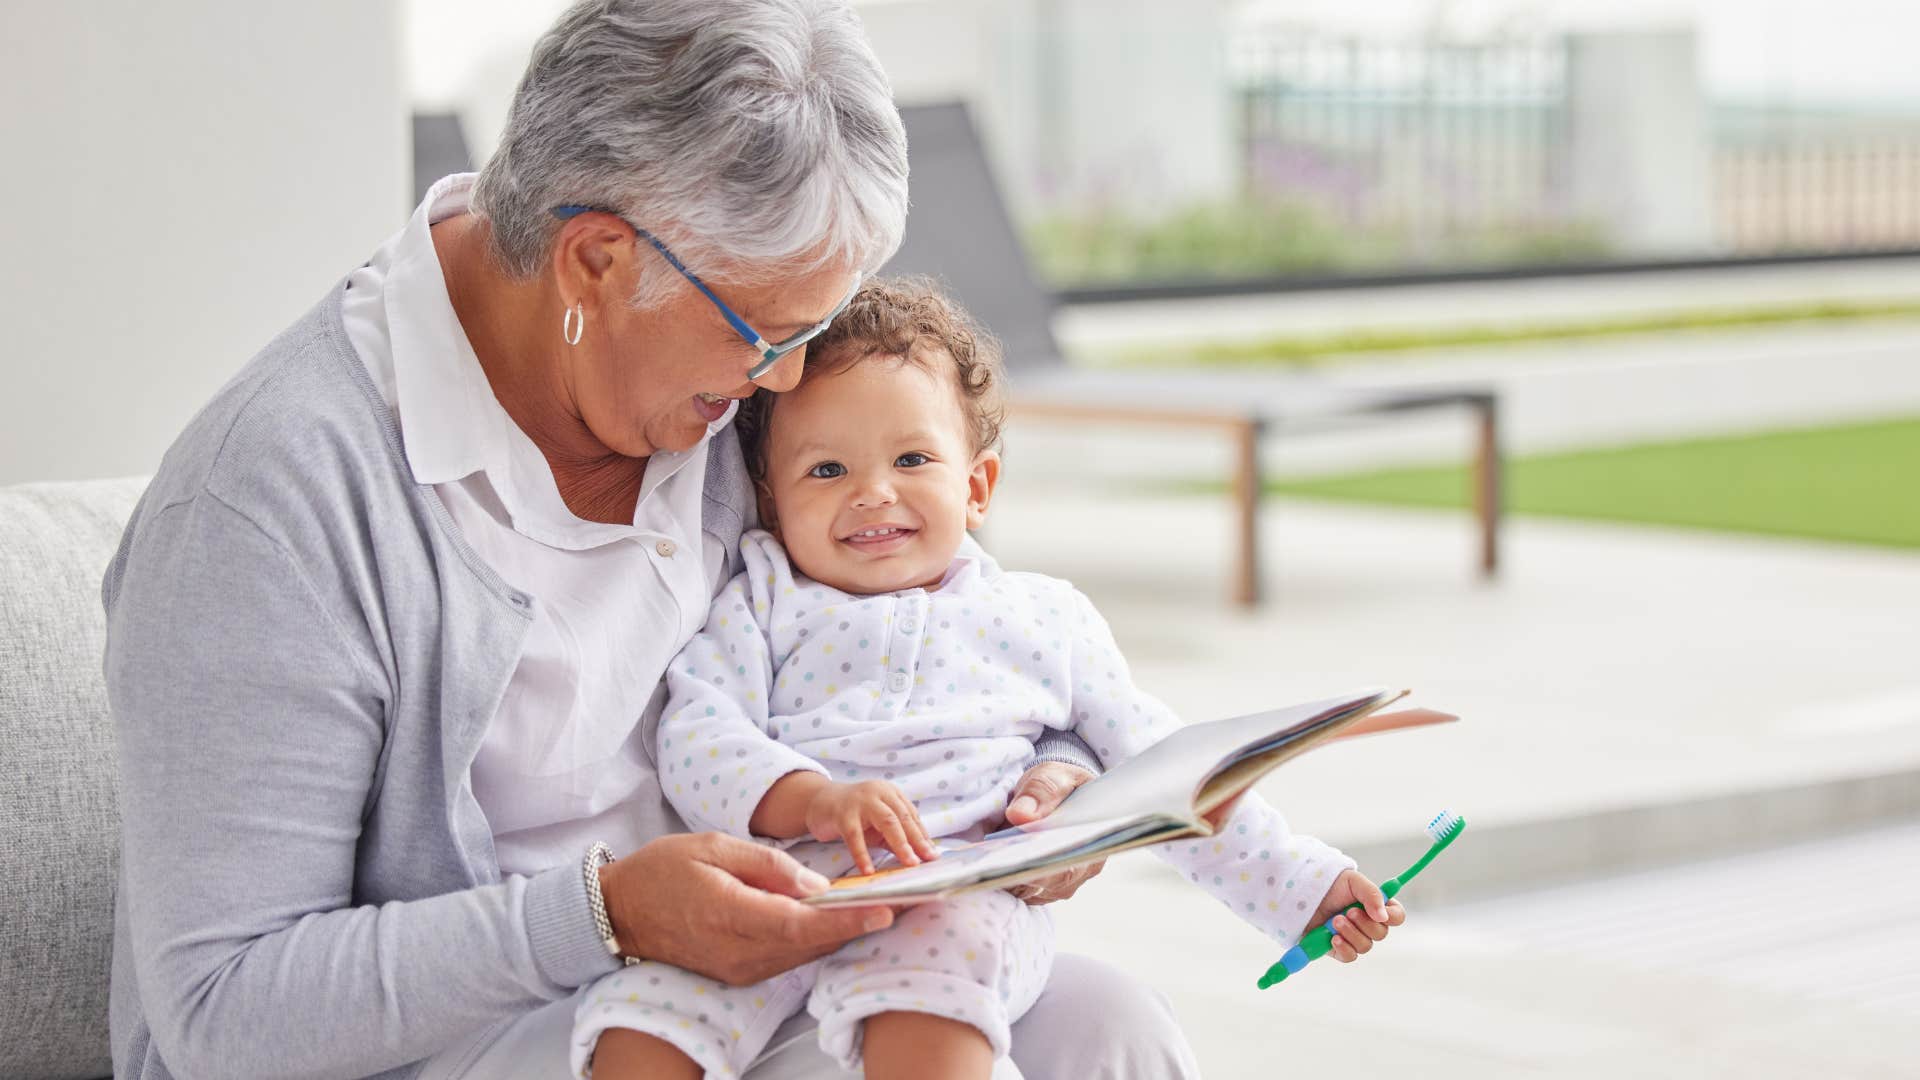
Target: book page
1158,795
1001,859
1167,778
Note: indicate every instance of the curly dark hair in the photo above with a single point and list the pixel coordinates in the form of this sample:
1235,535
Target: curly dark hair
910,320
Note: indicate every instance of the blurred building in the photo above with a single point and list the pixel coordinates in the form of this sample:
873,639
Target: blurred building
1195,132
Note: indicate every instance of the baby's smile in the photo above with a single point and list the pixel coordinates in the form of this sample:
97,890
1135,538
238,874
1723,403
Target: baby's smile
873,477
880,539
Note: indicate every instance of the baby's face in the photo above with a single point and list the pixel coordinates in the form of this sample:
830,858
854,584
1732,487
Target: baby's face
873,479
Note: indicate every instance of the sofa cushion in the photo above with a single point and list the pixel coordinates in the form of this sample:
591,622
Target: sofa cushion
59,817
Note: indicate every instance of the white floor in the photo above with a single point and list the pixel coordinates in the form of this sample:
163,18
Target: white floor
1836,921
1608,668
1762,967
1611,674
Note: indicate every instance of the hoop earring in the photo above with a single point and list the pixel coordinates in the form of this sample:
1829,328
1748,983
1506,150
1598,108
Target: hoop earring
573,324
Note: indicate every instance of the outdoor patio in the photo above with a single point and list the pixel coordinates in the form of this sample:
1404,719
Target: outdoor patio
1690,760
1633,699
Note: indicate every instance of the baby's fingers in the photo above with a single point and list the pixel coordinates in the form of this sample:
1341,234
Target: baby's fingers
1368,925
856,837
882,820
915,828
1348,928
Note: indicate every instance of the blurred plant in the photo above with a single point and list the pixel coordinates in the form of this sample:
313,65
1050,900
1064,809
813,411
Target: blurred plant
1268,238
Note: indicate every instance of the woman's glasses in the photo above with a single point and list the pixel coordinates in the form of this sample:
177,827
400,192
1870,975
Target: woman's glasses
770,354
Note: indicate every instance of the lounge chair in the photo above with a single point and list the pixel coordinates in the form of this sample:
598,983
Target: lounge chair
959,233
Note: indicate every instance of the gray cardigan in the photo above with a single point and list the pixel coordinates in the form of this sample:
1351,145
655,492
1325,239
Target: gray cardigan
302,657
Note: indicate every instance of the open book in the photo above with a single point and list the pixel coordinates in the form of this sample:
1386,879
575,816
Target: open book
1163,793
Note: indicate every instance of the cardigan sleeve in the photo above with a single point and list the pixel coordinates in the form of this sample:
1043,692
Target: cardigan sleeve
1066,748
250,733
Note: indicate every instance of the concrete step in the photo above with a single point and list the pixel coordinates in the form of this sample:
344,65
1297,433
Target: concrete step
1783,964
1506,856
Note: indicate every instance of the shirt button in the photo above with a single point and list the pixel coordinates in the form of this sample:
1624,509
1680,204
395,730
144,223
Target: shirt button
897,682
665,548
909,624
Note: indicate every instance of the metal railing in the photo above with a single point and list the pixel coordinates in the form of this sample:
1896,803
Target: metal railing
1459,153
1428,139
1806,180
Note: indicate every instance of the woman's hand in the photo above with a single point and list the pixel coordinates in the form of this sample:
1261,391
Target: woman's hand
1038,794
1355,933
724,907
850,812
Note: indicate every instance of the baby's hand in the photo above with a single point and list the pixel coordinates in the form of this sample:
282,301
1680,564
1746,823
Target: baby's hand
850,811
1355,934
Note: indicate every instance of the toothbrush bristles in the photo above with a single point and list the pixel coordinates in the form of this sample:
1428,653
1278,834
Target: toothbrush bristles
1445,825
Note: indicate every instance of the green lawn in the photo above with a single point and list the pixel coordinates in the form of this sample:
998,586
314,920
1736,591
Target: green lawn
1858,483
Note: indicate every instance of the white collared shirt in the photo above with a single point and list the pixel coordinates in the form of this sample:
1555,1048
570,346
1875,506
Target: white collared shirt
563,763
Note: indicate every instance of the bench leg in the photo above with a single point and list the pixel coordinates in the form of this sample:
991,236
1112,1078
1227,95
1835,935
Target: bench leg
1246,493
1486,488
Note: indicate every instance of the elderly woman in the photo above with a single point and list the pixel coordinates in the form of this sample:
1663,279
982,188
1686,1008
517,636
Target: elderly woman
387,631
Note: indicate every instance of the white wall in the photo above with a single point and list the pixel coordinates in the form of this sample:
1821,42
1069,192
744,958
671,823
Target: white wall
466,57
1082,103
1143,117
180,181
1640,140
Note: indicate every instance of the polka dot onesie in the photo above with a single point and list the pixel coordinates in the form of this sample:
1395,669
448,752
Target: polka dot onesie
941,691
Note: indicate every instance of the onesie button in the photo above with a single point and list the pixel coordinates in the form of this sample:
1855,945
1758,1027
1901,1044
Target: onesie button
909,625
897,682
665,548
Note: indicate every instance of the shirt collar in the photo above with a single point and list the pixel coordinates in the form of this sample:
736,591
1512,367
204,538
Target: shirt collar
454,426
969,565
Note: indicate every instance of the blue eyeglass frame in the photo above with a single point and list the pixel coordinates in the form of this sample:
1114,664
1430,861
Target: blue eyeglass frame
769,354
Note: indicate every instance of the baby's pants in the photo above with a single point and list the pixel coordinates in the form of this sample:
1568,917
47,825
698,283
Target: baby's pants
981,959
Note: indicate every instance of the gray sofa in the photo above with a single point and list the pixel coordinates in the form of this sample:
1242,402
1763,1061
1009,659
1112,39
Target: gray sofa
59,815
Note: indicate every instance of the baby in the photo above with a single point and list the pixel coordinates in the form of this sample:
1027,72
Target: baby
873,678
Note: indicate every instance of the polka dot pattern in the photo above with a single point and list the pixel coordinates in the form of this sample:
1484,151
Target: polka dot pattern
980,958
942,692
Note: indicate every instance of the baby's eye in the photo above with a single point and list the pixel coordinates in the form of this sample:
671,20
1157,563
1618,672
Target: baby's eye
827,470
909,460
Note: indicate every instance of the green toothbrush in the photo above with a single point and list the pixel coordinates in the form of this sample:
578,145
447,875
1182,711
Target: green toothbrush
1443,828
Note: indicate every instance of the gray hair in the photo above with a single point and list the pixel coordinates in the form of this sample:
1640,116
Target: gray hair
754,137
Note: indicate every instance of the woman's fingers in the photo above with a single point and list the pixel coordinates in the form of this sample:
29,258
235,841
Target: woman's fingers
1219,814
765,934
1058,886
1042,790
725,908
760,866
